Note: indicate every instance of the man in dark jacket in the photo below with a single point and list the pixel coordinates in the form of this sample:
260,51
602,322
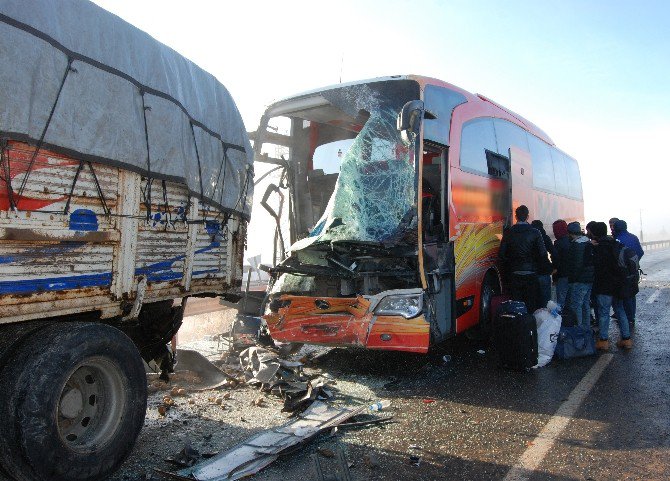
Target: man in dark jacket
545,268
632,242
579,265
606,285
560,253
521,252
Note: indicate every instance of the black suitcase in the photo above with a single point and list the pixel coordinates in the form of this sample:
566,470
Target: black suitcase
515,340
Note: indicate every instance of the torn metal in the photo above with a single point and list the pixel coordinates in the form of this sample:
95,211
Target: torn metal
260,450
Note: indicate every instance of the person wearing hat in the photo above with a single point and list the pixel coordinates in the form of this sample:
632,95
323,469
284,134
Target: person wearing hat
521,252
605,286
621,234
579,265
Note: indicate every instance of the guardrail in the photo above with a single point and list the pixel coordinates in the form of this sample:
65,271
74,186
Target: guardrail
655,244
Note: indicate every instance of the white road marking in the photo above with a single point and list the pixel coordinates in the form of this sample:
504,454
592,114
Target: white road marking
531,459
653,296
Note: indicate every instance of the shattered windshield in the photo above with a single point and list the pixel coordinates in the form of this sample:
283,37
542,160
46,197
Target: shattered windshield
375,190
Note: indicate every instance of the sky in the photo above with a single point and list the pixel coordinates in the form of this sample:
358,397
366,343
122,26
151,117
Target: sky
594,75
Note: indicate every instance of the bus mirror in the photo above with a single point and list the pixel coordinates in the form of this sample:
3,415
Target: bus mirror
409,117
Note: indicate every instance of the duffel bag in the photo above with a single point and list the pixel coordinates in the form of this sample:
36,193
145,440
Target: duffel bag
575,341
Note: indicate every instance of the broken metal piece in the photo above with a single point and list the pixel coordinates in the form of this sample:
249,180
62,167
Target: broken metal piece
262,449
187,457
383,420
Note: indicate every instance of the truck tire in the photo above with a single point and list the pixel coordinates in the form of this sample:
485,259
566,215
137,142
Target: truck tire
73,400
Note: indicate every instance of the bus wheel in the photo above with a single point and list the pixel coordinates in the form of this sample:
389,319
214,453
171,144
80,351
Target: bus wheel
490,287
73,402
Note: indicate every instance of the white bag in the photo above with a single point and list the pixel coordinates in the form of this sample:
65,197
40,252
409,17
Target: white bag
548,326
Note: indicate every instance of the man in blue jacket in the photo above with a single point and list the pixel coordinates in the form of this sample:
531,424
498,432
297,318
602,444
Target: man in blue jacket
632,242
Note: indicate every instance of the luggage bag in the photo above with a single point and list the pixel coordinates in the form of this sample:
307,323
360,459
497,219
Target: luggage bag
515,340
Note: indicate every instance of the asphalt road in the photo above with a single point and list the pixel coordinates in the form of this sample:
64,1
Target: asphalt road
466,418
484,419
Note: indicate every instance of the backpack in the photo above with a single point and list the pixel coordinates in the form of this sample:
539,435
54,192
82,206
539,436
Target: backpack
628,271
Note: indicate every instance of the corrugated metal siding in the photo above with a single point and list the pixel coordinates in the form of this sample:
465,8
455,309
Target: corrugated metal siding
57,260
41,267
211,255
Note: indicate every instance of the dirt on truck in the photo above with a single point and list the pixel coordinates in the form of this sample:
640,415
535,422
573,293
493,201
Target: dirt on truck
125,188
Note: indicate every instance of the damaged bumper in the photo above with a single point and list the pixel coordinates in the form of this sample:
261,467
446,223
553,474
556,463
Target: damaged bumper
392,320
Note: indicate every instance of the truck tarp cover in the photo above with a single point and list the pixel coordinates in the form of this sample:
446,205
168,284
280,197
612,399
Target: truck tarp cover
124,100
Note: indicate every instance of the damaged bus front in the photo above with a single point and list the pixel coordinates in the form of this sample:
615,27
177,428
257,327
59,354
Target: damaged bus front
370,262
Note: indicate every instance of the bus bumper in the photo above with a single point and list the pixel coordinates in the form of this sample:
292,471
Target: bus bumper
343,322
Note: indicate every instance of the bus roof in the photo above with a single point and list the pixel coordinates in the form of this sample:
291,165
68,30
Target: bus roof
277,108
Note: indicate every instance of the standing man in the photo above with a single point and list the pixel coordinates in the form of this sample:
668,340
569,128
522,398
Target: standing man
521,252
611,222
632,242
606,285
558,258
579,265
545,268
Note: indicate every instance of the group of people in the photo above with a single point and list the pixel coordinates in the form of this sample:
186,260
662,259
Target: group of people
588,268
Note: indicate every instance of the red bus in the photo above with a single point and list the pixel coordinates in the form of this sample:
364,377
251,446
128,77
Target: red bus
398,190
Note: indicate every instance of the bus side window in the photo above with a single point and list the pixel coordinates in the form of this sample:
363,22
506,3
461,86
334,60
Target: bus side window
509,135
560,173
543,169
574,179
441,102
476,138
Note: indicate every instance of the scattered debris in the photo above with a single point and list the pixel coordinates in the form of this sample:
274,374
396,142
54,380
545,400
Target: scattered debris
376,420
481,351
446,358
325,452
186,458
370,460
428,401
378,406
262,449
341,471
194,373
415,460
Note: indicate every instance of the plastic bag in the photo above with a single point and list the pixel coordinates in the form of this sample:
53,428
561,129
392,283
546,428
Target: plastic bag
548,326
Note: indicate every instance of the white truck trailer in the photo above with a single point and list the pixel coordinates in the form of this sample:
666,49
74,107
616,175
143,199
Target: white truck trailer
125,188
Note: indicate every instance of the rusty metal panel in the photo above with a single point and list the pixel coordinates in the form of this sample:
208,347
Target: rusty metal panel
80,239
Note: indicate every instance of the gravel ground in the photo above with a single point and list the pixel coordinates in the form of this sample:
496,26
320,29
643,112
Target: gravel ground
463,417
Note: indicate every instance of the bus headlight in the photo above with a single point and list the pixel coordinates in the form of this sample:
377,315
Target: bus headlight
407,306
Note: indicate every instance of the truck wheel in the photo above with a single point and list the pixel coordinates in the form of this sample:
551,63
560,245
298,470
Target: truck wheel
73,402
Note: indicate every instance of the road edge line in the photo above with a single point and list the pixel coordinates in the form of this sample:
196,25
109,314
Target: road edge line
531,459
654,295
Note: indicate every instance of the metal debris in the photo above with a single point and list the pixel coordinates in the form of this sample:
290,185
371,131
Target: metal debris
257,452
187,457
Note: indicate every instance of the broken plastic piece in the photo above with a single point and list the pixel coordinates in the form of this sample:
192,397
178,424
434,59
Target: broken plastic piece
379,405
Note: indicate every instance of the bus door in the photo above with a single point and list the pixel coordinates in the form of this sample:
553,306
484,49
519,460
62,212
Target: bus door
438,250
501,187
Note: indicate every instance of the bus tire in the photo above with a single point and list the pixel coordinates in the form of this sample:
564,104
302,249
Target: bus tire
73,403
490,287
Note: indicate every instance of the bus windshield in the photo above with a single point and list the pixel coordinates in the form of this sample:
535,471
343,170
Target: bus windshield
375,189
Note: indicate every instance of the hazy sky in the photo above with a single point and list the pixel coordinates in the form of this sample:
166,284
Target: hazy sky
595,75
